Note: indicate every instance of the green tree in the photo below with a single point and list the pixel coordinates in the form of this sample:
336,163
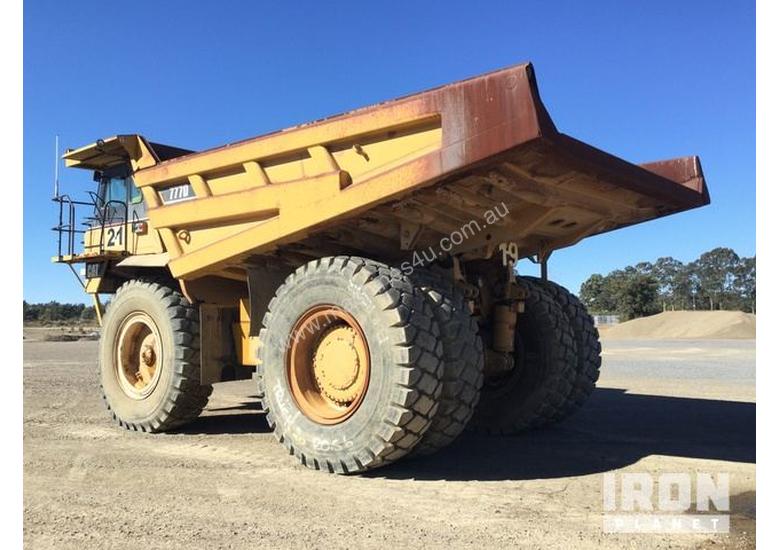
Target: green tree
29,312
639,297
718,279
745,283
673,284
645,268
52,312
717,270
593,294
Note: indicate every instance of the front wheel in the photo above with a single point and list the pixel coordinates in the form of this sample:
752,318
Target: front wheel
150,358
350,364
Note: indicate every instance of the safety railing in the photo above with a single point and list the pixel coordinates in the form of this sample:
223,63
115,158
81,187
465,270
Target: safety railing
106,214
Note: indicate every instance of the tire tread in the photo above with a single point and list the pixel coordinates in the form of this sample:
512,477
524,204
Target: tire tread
186,397
414,335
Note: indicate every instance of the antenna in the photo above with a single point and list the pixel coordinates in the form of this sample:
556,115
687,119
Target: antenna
56,166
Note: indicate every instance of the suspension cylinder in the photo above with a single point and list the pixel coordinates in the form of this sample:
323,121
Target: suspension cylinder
504,324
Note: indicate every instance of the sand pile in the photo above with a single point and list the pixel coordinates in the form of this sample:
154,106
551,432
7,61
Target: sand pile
686,324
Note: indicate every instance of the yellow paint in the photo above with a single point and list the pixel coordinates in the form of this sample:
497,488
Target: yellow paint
254,204
281,145
245,344
130,243
200,186
112,151
253,195
98,308
93,285
297,218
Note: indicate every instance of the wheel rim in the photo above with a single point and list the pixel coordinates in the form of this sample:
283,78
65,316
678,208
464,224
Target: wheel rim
139,355
328,364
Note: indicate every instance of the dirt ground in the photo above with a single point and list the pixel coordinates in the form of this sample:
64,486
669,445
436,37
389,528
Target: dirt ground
661,407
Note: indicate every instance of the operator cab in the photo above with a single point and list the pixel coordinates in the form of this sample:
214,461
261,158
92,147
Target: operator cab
116,208
118,200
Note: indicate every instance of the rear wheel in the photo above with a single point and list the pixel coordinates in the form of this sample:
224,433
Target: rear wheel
463,359
150,358
586,337
532,393
350,364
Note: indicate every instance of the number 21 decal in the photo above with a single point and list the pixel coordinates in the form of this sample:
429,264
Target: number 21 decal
115,236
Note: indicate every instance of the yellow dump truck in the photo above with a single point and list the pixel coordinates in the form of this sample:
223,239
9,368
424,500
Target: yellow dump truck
362,266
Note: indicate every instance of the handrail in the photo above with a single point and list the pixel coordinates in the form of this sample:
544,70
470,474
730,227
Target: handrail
67,221
63,227
105,210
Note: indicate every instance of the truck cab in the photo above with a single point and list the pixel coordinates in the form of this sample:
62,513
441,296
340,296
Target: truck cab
111,225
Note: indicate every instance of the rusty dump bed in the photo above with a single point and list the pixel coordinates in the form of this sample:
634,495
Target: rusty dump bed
402,175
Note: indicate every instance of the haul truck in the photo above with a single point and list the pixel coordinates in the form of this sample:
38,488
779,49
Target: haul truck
363,264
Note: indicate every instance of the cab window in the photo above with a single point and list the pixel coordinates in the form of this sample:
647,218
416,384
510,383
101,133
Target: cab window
135,193
113,189
114,199
117,190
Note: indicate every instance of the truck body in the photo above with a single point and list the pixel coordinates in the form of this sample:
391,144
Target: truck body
470,177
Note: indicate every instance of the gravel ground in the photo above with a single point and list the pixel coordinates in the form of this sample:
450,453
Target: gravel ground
661,407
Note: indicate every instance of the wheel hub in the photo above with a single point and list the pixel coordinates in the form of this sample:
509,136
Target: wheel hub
328,364
147,355
337,364
138,356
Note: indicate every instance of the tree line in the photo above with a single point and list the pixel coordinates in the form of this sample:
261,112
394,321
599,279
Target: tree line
718,279
55,312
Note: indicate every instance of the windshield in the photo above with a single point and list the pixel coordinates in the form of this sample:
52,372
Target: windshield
116,190
112,200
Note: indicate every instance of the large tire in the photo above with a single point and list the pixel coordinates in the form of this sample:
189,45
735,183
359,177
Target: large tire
463,359
531,395
173,396
586,336
401,394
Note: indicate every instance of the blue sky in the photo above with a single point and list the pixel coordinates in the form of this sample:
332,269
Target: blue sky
644,81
